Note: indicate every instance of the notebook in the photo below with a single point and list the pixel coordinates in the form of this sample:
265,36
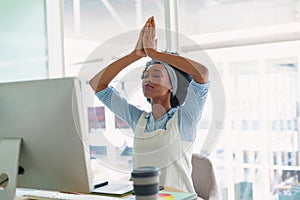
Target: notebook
165,195
115,189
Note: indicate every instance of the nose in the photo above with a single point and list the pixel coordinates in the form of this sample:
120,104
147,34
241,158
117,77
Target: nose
147,80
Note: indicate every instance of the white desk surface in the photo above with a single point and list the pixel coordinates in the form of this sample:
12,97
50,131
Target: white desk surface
19,194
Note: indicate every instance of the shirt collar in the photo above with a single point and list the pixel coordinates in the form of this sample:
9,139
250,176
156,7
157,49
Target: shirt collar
170,113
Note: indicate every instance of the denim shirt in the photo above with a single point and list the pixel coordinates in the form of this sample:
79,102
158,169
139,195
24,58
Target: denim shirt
189,113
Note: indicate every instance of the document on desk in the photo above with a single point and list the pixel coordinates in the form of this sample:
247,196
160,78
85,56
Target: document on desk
115,188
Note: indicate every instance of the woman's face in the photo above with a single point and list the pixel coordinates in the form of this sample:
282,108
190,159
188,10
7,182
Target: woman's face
156,82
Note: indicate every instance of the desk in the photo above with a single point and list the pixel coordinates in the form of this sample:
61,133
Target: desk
125,197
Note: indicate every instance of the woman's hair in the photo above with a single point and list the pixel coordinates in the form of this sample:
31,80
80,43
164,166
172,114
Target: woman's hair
183,81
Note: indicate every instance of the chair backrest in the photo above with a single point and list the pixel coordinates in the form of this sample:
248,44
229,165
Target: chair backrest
203,177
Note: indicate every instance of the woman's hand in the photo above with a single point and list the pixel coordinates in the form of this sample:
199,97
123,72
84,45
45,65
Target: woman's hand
139,48
149,41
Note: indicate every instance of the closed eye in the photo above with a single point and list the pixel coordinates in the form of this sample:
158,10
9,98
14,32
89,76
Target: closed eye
145,75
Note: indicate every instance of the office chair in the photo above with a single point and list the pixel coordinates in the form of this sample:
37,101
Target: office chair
203,178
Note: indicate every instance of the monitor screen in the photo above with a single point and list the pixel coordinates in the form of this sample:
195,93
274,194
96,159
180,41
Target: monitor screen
50,117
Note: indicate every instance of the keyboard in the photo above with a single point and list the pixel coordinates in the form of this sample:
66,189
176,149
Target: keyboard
51,195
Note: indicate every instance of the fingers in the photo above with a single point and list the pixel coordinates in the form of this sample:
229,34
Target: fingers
152,22
148,21
146,25
150,25
147,35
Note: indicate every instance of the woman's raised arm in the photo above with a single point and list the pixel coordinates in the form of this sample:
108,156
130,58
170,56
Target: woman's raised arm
101,80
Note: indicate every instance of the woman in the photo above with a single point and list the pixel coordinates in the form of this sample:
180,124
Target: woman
164,136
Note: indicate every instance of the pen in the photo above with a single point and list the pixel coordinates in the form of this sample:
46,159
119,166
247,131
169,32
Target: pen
100,184
69,192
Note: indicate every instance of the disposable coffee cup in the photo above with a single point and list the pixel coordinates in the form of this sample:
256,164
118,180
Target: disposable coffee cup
145,183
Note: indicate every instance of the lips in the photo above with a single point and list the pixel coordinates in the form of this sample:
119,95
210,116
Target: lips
148,86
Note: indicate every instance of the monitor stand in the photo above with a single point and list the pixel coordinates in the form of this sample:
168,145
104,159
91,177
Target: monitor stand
9,159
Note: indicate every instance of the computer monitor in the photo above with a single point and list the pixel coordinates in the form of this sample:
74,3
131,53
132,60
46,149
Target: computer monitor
50,117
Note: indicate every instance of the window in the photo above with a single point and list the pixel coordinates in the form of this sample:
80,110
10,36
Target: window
23,49
255,52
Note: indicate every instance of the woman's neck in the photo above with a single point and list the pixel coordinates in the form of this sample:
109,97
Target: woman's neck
159,110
